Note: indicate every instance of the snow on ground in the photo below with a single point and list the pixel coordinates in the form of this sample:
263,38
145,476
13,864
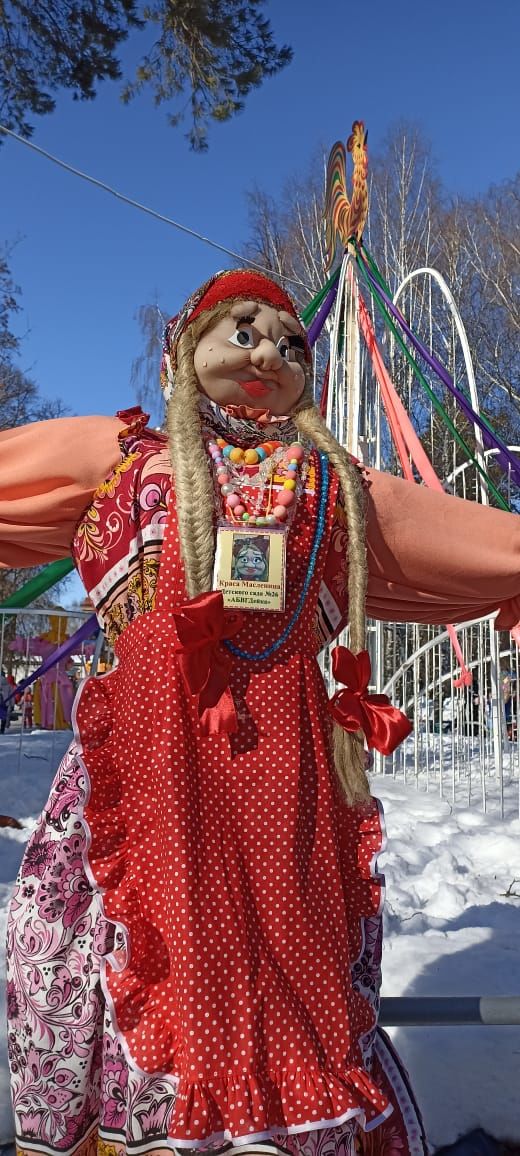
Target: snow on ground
451,929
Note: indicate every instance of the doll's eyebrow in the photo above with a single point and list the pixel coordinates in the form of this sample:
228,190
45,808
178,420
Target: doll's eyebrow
248,319
249,307
289,322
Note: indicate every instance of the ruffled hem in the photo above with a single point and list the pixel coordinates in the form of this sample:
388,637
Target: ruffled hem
256,1106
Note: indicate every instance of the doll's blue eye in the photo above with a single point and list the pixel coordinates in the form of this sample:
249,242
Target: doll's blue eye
291,348
243,337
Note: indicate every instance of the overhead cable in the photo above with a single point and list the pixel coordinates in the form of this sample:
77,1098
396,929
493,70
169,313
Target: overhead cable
145,208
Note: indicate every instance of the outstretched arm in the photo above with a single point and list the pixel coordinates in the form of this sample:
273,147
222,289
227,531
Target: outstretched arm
48,473
431,559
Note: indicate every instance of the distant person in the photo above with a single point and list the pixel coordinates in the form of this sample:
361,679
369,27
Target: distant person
509,695
5,702
27,709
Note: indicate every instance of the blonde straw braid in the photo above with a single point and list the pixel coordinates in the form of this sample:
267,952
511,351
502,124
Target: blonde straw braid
349,754
194,494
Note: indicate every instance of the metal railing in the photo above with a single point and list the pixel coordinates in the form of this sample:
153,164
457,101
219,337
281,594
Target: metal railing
436,1011
464,744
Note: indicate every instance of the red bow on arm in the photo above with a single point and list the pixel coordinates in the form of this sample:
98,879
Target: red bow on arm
201,626
383,725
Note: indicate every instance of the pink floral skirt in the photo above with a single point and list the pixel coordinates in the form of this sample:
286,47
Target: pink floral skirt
73,1089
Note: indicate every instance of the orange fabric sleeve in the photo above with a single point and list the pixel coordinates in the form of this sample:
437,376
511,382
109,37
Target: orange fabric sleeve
48,473
433,558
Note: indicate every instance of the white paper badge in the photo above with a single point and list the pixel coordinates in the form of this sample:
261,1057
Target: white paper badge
250,567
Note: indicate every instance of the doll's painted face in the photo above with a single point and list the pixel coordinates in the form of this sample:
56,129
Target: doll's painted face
255,356
250,563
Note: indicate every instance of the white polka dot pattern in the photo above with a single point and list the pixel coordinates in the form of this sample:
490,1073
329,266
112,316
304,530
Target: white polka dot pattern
238,871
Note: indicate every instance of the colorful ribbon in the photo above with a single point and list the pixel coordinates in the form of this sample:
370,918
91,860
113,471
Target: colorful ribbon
507,460
316,326
202,624
42,581
88,629
362,265
383,725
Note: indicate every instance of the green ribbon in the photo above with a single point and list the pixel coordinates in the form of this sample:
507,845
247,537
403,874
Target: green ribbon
379,277
41,582
311,309
438,406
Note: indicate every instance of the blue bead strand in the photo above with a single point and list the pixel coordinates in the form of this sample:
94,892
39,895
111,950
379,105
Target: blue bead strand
323,487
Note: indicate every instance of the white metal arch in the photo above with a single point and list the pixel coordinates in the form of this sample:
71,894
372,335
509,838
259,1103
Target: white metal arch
461,469
463,337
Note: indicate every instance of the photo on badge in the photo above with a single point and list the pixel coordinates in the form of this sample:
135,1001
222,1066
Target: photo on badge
251,558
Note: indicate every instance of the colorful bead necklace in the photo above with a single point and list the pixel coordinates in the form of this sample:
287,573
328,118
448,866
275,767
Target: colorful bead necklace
323,493
235,468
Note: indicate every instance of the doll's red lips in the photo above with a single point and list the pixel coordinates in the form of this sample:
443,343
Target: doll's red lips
255,388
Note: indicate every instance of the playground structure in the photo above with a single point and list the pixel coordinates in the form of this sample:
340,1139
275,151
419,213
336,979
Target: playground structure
54,691
41,656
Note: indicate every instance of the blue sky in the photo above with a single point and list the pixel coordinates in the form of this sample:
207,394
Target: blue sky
85,262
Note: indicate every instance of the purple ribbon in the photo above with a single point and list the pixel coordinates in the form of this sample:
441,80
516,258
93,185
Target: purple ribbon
85,631
507,460
316,326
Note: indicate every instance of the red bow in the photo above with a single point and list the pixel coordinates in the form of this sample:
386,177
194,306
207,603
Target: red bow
383,725
201,626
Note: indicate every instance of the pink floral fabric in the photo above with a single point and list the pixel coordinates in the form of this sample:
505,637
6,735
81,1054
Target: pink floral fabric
117,543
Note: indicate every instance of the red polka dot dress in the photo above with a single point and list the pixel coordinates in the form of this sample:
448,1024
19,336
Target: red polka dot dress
235,870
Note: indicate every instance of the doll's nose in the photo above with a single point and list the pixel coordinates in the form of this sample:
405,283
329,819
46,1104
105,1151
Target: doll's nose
266,355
